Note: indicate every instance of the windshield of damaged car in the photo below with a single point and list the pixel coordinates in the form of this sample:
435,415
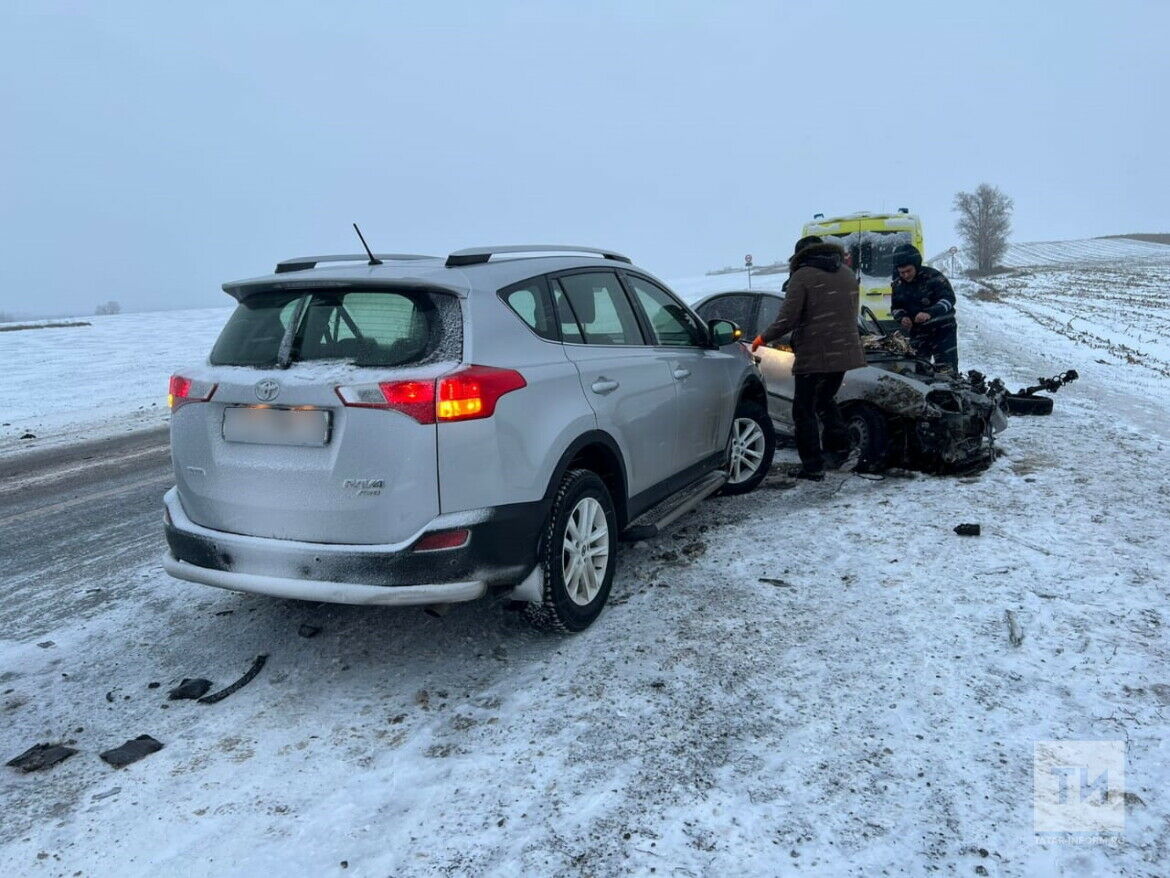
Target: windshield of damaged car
366,328
872,251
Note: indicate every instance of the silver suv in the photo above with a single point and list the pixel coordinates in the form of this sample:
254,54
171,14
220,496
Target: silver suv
419,430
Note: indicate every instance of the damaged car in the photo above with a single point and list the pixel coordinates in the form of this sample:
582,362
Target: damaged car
900,410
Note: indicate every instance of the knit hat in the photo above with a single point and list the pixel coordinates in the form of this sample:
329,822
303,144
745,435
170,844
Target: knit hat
907,254
806,241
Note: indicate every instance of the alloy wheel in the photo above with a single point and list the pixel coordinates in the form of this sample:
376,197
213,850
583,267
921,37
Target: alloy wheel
747,449
585,552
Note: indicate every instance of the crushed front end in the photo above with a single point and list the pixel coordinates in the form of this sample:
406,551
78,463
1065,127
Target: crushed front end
957,431
940,422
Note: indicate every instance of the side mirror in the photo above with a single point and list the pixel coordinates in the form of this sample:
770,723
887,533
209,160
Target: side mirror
723,332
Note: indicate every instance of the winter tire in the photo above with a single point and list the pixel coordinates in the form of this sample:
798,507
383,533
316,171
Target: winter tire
750,448
578,555
869,433
1027,405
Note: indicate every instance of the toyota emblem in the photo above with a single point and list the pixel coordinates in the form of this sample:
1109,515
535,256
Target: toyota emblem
267,390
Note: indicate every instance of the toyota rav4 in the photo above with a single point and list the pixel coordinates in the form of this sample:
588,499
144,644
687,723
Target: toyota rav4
419,430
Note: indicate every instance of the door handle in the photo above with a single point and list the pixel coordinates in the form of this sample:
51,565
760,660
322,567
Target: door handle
604,385
682,373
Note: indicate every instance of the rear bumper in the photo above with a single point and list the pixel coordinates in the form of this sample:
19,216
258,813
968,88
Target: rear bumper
327,592
500,552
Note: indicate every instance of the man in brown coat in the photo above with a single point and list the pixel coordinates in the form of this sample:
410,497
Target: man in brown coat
820,310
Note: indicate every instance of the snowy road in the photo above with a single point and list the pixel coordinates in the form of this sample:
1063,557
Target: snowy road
860,712
73,521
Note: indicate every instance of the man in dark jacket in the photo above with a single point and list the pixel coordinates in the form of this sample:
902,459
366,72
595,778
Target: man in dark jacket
921,299
820,310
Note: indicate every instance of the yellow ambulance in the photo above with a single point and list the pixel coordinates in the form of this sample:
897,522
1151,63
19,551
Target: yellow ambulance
870,240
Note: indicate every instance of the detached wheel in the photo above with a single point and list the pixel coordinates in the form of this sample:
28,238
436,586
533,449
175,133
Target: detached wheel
578,555
1027,405
869,433
750,448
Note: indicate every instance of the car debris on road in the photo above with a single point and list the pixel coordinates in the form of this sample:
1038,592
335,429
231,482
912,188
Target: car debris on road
41,756
249,675
190,689
131,751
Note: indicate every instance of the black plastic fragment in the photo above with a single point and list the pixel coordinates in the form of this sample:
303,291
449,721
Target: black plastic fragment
193,689
41,756
967,530
239,684
778,582
131,751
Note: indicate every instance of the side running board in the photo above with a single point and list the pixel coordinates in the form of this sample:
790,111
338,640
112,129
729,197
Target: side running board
656,519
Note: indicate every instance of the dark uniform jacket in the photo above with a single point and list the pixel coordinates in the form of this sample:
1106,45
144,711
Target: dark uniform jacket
930,291
820,310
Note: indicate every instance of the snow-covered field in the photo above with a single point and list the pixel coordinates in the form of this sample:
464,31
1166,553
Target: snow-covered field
813,679
64,384
1084,252
1072,254
691,289
1119,308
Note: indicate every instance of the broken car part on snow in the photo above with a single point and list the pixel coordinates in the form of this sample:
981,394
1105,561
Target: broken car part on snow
1026,400
249,675
41,756
190,689
131,751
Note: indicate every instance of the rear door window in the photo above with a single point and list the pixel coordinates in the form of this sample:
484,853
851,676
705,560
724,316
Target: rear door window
600,309
671,324
566,320
364,327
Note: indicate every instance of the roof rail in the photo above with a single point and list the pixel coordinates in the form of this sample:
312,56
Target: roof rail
477,255
303,263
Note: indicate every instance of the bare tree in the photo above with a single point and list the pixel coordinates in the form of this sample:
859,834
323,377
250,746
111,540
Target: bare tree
110,307
985,220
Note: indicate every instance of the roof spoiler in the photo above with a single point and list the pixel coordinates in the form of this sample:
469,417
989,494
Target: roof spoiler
303,263
477,255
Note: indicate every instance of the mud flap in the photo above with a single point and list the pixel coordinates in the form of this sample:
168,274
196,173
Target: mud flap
531,590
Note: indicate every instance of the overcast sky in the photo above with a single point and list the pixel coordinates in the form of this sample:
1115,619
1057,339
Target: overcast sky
153,150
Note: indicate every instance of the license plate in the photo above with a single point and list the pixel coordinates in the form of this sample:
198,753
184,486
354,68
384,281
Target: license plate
271,426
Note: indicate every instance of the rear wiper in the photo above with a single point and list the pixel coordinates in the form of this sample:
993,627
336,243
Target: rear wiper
284,354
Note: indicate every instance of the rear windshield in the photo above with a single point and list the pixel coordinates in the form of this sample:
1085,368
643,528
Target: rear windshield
366,328
872,251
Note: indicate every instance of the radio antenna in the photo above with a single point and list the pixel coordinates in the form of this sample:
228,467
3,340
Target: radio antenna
374,260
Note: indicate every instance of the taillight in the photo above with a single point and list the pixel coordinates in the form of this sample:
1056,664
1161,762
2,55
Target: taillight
463,396
184,390
473,392
413,398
